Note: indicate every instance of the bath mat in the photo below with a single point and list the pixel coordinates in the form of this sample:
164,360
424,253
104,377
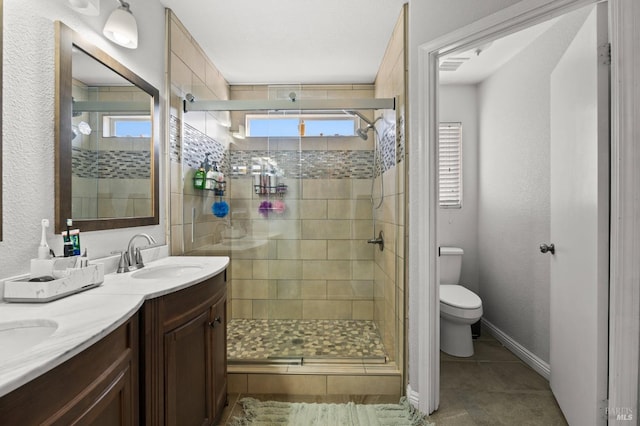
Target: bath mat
273,413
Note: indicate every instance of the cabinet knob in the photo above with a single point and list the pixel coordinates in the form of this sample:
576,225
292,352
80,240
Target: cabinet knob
217,320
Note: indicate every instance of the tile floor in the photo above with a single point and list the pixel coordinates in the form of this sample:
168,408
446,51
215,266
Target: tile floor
494,387
491,388
251,339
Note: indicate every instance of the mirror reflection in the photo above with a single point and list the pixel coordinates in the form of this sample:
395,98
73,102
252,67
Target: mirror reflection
111,140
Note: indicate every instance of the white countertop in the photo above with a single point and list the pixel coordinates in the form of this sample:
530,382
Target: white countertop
85,318
126,283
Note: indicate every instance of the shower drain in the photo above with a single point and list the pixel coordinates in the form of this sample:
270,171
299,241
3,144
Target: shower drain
297,341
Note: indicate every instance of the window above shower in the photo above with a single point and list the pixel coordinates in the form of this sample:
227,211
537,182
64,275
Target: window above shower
305,125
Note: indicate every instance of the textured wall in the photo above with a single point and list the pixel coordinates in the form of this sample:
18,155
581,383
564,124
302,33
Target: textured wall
28,113
459,227
514,203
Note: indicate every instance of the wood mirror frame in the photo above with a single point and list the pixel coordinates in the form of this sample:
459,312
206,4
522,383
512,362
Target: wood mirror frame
66,40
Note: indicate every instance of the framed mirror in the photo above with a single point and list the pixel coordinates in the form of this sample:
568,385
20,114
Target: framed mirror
106,140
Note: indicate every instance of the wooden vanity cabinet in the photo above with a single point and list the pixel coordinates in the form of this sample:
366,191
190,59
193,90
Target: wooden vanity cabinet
184,355
99,386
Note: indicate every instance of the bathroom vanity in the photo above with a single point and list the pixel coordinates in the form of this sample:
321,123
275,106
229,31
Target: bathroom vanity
184,355
147,347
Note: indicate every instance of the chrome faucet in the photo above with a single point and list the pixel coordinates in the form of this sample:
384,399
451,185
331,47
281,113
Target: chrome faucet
134,255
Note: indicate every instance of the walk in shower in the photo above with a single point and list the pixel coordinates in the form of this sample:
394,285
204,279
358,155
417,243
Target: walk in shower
305,283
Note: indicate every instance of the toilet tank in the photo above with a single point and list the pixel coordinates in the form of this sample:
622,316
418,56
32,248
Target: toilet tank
450,264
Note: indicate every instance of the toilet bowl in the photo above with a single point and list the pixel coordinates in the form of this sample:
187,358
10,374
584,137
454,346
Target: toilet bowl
459,306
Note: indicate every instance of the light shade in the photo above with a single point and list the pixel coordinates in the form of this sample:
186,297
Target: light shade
86,7
121,27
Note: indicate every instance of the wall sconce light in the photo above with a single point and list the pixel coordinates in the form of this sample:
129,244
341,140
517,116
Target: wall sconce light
240,134
121,27
86,7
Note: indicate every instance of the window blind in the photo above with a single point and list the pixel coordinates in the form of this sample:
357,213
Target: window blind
450,165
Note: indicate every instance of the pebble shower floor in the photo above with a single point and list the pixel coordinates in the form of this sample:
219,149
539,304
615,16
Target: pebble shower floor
258,340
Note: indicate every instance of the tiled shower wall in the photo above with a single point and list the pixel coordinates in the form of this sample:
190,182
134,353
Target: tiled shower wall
192,136
389,265
317,264
110,175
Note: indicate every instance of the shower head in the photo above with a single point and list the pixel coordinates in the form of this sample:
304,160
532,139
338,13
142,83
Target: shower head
362,132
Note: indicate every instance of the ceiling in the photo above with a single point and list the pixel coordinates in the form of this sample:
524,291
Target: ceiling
291,41
319,42
478,63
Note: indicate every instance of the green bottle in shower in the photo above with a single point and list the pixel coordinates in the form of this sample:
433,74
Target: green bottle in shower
200,178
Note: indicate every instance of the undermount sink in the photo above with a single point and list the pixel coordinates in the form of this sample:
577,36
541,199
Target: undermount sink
165,271
18,336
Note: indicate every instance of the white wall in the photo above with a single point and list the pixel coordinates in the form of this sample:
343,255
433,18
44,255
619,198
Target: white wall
28,119
459,227
514,188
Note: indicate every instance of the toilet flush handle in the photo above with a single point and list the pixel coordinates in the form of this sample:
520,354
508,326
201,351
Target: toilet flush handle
547,248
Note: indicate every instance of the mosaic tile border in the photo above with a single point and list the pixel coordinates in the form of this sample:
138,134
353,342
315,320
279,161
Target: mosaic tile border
311,164
111,164
344,164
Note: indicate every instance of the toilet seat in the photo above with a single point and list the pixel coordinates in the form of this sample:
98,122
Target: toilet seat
459,297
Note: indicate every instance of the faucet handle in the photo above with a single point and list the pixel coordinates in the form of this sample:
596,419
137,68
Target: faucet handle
123,265
138,258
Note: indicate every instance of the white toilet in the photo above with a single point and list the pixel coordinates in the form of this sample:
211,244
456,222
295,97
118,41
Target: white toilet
459,306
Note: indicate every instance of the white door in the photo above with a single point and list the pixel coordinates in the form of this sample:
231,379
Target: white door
580,224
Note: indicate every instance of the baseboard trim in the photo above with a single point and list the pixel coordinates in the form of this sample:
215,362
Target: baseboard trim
543,368
413,397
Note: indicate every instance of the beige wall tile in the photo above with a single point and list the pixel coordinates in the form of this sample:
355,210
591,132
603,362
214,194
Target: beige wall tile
313,249
285,269
326,229
288,249
326,189
250,289
242,308
364,385
326,309
362,269
313,209
289,289
326,269
362,310
314,289
291,384
350,290
260,269
285,309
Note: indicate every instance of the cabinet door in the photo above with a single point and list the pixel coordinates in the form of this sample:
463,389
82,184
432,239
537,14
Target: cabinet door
188,390
220,355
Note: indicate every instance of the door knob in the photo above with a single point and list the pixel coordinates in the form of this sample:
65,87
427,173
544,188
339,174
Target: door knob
547,248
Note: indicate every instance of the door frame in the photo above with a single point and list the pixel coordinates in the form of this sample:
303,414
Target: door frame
624,276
